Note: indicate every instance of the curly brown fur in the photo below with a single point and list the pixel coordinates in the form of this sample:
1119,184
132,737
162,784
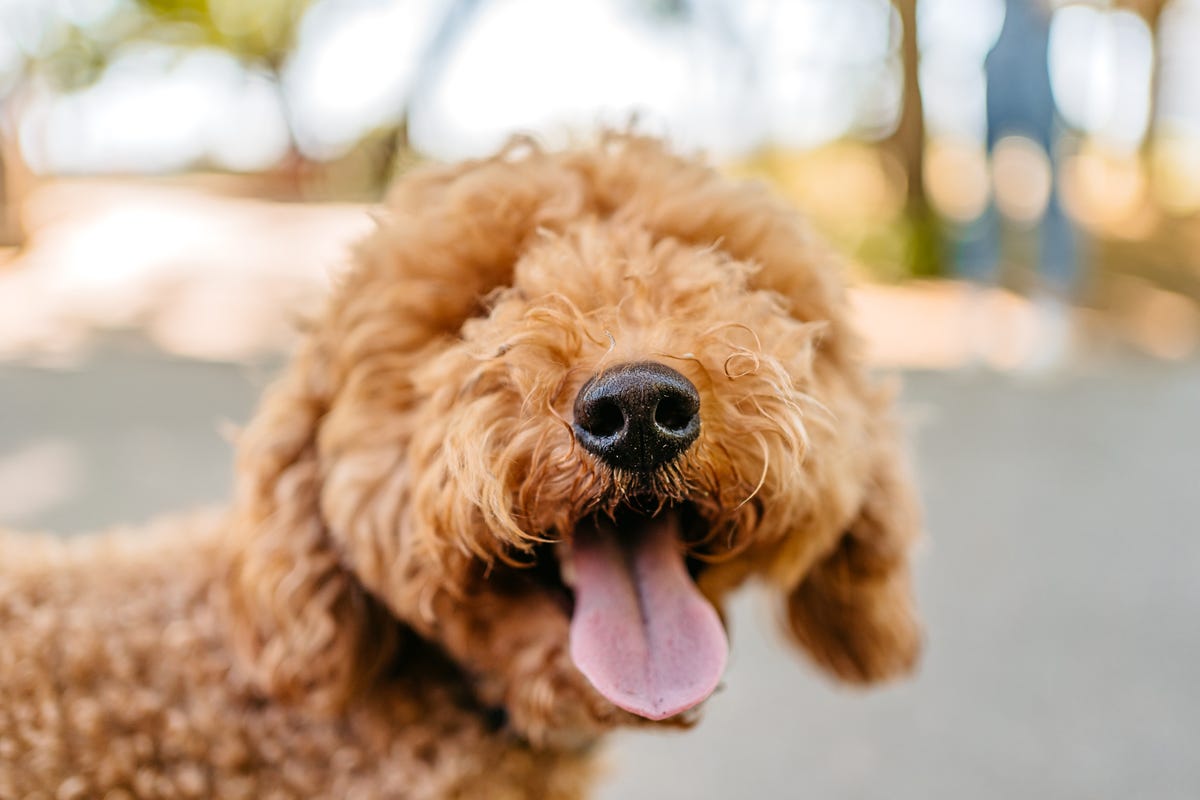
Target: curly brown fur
379,614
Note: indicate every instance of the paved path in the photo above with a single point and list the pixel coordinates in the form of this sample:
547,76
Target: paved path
1060,585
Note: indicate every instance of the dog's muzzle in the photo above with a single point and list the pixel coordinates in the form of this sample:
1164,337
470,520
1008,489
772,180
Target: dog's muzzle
637,417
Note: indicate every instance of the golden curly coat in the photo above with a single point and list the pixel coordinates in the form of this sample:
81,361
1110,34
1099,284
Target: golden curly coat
385,610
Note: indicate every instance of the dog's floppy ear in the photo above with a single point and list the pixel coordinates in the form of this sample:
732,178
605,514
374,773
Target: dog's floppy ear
304,628
853,611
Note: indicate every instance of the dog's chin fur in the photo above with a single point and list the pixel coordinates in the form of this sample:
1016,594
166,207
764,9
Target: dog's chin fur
409,491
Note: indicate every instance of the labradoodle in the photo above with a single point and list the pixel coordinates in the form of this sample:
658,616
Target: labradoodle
560,407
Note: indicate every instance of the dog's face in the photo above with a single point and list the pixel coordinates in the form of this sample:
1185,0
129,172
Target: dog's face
607,386
641,411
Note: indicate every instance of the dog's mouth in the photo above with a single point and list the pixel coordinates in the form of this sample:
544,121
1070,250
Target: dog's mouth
641,631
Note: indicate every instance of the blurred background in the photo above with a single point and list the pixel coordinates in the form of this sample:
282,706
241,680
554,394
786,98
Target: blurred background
1016,184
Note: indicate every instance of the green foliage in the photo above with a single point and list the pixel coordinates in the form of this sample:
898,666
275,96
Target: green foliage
78,60
257,31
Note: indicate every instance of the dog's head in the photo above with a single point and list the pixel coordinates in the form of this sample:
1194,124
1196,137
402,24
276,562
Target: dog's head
608,380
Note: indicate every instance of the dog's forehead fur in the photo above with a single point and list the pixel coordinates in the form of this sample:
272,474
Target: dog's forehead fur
638,296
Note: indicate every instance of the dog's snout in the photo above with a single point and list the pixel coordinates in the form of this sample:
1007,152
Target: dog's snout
637,416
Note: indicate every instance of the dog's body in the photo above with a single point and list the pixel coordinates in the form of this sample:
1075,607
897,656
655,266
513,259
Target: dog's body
562,405
118,681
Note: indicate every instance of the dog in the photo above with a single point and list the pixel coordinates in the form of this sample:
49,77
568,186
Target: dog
561,405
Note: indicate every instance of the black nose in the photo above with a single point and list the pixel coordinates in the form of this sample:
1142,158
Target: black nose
637,416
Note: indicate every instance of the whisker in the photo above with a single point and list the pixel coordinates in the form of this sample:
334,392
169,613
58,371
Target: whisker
762,479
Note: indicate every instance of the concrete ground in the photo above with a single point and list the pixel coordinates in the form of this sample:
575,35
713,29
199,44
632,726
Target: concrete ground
1060,584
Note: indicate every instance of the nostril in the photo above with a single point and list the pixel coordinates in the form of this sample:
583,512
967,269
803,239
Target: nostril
675,413
604,418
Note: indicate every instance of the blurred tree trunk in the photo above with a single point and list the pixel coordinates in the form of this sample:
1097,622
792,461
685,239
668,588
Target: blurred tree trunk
8,232
438,49
14,183
1151,11
296,171
907,144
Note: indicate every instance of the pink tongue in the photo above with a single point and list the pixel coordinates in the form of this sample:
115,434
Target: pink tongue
642,633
